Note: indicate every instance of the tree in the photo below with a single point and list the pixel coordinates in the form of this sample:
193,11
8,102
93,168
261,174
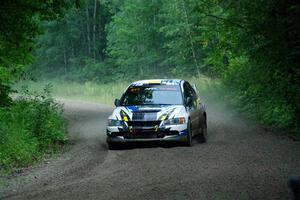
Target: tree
72,44
19,25
251,45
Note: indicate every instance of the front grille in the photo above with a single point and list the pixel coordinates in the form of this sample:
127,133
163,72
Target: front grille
143,123
140,135
114,134
144,116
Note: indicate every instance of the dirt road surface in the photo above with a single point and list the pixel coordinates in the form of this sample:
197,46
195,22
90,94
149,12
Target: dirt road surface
239,161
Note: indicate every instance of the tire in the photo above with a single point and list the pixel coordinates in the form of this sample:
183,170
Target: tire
189,141
112,146
203,134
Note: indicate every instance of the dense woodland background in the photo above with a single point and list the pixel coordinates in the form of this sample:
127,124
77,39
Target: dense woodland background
251,46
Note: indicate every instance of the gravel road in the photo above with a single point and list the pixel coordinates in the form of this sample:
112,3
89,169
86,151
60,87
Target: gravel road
240,161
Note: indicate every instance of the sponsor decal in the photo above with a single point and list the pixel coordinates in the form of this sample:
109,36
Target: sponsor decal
184,132
154,81
170,82
137,84
124,116
166,115
132,108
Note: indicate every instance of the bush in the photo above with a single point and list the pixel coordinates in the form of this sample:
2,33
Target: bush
86,69
31,127
5,100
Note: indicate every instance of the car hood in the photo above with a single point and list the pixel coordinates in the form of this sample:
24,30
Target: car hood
148,112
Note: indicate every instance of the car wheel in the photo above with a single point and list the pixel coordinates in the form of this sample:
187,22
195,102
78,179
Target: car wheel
112,146
203,135
189,141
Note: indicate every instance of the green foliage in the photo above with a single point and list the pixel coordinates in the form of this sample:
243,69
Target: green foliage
85,69
252,46
29,128
19,24
256,57
5,99
91,91
156,37
133,39
75,41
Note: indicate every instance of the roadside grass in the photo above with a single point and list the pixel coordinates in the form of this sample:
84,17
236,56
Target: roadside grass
89,91
30,128
212,91
104,93
33,127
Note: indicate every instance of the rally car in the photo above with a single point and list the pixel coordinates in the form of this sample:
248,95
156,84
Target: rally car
157,110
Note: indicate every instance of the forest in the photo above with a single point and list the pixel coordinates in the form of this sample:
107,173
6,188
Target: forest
251,46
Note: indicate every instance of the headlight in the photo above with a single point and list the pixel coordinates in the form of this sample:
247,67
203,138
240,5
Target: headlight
114,122
175,121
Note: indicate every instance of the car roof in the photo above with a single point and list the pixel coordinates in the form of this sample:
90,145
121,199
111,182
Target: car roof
157,82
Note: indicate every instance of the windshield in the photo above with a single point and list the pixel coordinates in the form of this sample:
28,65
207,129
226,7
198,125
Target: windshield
152,95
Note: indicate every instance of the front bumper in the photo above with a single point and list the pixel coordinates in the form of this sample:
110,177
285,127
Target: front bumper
175,134
122,139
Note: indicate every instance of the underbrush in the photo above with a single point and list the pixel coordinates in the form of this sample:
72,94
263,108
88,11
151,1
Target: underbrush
31,127
266,109
101,93
262,108
104,93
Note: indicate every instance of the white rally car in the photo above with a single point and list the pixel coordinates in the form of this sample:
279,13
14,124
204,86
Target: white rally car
157,110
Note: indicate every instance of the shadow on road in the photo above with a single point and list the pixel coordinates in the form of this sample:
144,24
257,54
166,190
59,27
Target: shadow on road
154,144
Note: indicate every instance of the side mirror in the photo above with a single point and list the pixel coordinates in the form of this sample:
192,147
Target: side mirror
117,102
188,101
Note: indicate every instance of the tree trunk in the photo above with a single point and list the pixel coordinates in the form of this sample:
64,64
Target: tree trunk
94,29
73,49
65,60
154,39
88,29
100,28
190,38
